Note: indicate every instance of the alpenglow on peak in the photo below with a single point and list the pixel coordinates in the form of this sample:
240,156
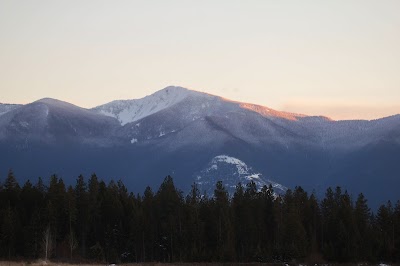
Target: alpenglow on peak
127,111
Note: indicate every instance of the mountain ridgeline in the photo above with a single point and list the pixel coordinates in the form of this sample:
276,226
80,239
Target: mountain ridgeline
200,137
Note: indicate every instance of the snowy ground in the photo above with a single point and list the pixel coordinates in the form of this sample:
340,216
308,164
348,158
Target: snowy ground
43,263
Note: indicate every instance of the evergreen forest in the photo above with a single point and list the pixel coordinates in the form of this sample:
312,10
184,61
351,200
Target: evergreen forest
94,221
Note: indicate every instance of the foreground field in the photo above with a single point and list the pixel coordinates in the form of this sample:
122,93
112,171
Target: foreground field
44,263
49,263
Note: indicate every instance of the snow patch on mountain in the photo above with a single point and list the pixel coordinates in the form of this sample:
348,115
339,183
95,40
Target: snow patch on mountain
231,171
241,167
5,108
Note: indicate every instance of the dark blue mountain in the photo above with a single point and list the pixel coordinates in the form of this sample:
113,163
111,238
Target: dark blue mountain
185,133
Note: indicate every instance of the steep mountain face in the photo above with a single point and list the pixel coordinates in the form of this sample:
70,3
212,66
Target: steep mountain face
183,133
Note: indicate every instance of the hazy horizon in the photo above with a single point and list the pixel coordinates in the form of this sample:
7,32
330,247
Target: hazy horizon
338,59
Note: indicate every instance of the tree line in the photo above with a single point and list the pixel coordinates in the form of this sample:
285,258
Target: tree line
95,221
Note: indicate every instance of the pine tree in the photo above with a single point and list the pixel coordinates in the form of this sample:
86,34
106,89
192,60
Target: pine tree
225,251
239,220
11,189
94,226
193,233
72,217
251,222
396,232
362,216
56,211
149,234
268,225
82,212
313,223
30,200
170,216
384,220
329,232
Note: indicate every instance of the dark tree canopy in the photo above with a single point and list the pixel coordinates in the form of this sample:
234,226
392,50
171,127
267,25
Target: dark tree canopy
99,222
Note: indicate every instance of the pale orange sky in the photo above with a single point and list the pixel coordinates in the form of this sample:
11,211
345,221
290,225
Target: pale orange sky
335,58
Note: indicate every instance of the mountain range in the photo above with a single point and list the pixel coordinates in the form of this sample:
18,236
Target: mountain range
198,137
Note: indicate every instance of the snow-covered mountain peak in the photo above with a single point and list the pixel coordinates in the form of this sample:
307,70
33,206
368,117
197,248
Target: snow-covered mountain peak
172,90
202,104
168,96
127,111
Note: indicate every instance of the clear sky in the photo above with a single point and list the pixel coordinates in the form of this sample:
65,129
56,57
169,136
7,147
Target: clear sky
337,58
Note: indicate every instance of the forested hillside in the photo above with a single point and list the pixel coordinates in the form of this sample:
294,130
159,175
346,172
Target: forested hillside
106,223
